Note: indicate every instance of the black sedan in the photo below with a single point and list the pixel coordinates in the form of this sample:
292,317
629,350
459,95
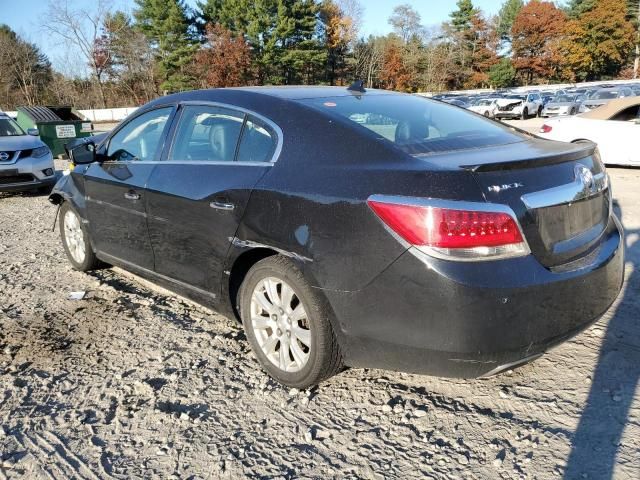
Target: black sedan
352,228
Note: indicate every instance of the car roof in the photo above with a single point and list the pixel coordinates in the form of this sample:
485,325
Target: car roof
612,108
297,92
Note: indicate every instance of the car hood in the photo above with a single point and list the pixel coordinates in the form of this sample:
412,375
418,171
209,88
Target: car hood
560,104
595,103
503,102
19,142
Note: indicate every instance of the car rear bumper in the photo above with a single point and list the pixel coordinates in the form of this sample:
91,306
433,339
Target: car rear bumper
460,319
507,115
27,174
554,113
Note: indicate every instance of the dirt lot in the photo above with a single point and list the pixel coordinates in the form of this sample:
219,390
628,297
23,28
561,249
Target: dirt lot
131,382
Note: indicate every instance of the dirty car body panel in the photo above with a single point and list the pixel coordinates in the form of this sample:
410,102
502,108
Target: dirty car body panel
335,155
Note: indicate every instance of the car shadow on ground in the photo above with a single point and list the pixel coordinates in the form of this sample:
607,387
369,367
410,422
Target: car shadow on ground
595,444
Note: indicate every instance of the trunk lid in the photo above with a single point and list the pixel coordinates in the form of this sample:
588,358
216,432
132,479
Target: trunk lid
559,193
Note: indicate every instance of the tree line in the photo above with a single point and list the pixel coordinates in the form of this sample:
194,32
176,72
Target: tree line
164,46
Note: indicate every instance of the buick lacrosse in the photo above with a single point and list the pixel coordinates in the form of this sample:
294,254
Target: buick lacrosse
347,227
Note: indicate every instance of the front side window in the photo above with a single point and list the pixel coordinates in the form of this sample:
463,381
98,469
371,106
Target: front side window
207,133
139,139
9,128
627,115
415,124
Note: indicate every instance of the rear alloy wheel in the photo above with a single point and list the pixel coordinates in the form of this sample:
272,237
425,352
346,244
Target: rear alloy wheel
287,324
75,240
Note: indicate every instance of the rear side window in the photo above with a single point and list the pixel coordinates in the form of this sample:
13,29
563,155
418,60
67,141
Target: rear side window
207,133
417,125
258,142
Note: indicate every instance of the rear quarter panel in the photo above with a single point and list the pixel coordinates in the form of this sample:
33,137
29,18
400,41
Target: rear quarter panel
312,204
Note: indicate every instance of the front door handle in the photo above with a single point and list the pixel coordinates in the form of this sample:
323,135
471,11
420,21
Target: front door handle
222,205
132,196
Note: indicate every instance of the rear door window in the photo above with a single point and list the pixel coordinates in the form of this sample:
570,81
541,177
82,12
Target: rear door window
258,143
207,133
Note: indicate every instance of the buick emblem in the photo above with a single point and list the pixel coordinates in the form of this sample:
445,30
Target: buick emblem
4,156
585,176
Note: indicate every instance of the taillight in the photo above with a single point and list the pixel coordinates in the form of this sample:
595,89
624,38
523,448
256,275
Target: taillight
486,232
546,128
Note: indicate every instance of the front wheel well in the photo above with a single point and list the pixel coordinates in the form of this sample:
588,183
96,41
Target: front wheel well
56,199
239,270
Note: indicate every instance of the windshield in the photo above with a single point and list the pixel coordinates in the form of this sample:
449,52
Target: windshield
483,102
516,97
606,95
415,124
9,128
564,99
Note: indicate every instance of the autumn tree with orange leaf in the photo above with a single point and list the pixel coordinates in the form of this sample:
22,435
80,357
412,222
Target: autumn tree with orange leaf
598,42
224,61
536,37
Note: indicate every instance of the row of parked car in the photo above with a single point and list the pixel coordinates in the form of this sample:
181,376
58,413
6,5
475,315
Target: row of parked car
545,103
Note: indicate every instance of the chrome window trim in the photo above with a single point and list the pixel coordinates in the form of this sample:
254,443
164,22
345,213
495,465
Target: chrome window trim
441,253
187,162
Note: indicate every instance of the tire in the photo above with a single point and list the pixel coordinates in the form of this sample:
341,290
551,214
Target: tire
486,114
311,353
572,112
525,114
75,240
539,114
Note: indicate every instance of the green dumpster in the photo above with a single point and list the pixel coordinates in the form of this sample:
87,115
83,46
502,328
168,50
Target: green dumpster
56,125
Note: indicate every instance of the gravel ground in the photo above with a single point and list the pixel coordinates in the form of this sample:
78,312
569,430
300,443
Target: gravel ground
134,382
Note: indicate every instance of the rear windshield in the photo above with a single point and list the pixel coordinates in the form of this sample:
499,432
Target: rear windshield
9,128
415,124
606,95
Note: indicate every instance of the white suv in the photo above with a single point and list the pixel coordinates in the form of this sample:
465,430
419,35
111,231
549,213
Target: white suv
26,162
521,106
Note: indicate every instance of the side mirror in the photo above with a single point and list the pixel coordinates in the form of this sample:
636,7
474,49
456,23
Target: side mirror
82,152
33,131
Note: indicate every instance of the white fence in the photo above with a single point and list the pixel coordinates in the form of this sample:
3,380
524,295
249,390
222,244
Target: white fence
102,115
108,114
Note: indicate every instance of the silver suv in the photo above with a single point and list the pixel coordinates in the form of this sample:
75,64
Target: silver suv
26,162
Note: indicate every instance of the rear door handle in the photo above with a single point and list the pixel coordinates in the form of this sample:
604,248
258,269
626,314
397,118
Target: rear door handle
132,196
222,205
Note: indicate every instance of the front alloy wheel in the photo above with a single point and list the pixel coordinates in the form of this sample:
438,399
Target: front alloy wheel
288,324
74,237
75,240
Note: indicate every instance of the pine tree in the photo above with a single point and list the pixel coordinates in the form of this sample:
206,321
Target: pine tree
507,14
575,8
461,18
167,26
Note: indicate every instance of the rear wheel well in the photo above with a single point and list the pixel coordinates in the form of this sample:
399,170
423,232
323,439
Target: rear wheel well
239,271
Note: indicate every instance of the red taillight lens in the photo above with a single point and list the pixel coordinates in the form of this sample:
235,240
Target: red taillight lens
546,128
447,229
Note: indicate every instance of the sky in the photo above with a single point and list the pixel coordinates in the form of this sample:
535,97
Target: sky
27,21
